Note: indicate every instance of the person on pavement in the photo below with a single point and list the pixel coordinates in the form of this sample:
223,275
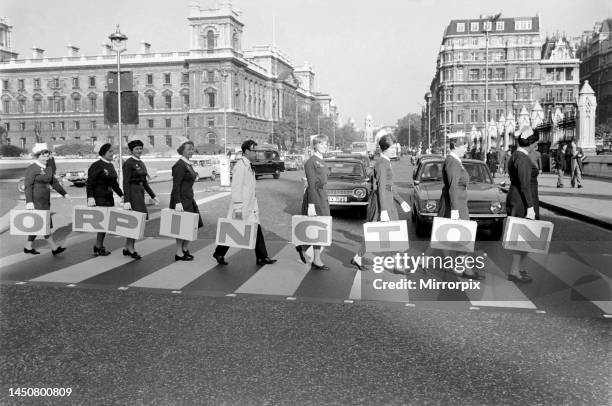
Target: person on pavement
576,165
522,199
315,201
381,204
181,197
244,204
101,182
39,179
536,158
135,183
561,164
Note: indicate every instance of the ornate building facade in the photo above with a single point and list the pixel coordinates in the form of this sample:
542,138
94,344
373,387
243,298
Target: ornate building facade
212,89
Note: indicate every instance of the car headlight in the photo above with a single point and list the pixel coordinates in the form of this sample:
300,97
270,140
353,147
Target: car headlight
431,206
81,173
359,193
496,207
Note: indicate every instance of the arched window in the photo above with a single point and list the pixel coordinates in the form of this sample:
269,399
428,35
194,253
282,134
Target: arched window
21,104
76,101
210,95
93,104
37,103
212,138
235,41
210,40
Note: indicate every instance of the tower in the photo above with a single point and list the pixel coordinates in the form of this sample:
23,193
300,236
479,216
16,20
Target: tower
6,45
216,29
368,131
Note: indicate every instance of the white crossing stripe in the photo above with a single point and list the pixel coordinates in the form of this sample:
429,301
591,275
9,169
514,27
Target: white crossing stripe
356,287
181,273
92,267
282,278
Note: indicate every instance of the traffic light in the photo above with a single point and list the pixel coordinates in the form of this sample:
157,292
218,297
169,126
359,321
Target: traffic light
129,107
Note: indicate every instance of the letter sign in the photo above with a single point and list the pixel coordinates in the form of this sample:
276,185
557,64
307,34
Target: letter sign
311,230
126,223
179,224
30,222
453,235
236,233
90,219
521,234
386,236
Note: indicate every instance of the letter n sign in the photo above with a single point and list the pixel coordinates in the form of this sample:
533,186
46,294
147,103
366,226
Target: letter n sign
454,235
30,222
311,230
522,234
236,233
386,236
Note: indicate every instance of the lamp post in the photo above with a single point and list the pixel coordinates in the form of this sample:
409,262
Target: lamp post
224,75
488,25
118,41
428,98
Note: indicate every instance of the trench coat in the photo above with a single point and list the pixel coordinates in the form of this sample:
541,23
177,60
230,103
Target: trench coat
383,193
243,191
523,191
454,191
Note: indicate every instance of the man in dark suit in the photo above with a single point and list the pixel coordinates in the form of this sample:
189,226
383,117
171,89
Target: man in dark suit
561,165
576,165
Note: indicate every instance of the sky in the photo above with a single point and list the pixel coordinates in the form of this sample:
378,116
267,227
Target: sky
374,57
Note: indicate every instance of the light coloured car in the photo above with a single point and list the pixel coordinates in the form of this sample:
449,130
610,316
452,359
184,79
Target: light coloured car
205,169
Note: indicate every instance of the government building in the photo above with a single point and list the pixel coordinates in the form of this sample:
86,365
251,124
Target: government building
211,89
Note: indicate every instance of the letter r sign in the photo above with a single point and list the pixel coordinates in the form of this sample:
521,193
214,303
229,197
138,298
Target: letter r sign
386,236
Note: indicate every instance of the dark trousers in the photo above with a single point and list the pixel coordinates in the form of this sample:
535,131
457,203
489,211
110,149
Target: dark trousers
260,246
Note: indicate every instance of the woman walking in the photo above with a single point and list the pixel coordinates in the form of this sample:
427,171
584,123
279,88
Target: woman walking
381,205
181,197
522,199
38,179
101,182
315,201
135,183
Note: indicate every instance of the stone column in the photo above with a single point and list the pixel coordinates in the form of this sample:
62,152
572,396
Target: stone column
586,119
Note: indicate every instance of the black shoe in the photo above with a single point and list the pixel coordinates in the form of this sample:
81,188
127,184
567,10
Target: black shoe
359,267
32,251
475,276
131,254
188,254
522,278
100,251
559,186
320,267
220,259
266,261
183,258
301,252
579,186
59,250
126,253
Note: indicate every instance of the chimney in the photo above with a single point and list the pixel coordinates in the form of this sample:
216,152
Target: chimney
145,47
106,49
37,53
72,50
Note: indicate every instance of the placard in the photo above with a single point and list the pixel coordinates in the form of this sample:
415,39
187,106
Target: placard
311,230
521,234
90,219
236,233
30,222
126,223
179,224
453,235
386,236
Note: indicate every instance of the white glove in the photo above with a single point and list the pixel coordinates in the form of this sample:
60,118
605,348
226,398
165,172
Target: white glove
127,206
178,207
530,213
91,202
454,214
384,216
67,196
311,210
405,207
156,200
118,200
30,206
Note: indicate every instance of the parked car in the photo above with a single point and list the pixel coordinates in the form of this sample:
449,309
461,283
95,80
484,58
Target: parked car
486,201
367,162
426,157
294,162
348,184
267,162
205,168
78,178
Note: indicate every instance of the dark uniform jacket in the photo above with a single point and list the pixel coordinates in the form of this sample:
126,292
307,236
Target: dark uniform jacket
38,183
135,183
383,193
523,192
454,191
101,181
316,177
183,177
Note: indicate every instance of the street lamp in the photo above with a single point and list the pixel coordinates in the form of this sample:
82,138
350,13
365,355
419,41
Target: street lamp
118,41
428,98
487,27
224,74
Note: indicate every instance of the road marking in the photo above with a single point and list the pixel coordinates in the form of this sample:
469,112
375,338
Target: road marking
213,197
474,308
348,301
356,287
98,265
291,298
282,278
176,291
20,283
410,305
72,285
540,312
123,288
607,316
231,295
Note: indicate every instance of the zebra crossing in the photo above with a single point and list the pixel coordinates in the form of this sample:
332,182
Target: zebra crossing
574,283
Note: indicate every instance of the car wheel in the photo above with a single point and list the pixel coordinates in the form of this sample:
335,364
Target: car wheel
276,174
496,231
421,227
213,177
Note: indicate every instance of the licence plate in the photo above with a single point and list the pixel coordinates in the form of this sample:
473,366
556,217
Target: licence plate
337,199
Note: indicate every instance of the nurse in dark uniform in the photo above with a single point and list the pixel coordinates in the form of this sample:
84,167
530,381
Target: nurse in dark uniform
135,183
181,197
315,201
522,199
381,204
39,179
101,182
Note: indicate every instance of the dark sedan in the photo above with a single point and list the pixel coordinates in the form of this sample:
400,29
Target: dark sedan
486,202
348,185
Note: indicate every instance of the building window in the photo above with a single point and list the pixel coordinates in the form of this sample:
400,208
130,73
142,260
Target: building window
473,116
498,114
474,95
93,105
75,83
211,121
473,27
150,123
570,95
522,73
21,84
77,125
56,83
5,84
558,75
149,79
152,140
185,78
474,74
500,74
93,125
92,81
559,95
186,100
212,138
5,106
150,101
168,123
37,104
62,125
21,105
52,125
489,93
210,40
76,102
522,25
460,117
499,26
459,75
474,42
500,94
460,95
22,125
487,25
211,99
168,101
58,104
549,95
22,143
524,93
210,75
460,27
569,72
169,140
36,84
166,78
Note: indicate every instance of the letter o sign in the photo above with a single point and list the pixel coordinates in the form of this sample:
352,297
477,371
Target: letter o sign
28,222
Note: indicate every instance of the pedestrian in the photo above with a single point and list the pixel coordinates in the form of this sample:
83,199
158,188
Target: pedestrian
501,160
39,179
561,164
181,197
492,161
381,203
101,182
315,201
244,203
454,198
522,199
536,158
576,165
507,159
135,183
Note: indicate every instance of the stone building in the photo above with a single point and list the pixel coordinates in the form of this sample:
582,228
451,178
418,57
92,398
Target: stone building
212,88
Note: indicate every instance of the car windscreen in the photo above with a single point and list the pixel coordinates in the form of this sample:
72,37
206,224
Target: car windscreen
478,172
345,169
431,172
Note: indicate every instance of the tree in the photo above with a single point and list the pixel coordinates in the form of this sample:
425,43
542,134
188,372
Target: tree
74,149
414,136
10,150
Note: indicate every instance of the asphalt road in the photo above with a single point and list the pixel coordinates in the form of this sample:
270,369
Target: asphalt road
199,346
